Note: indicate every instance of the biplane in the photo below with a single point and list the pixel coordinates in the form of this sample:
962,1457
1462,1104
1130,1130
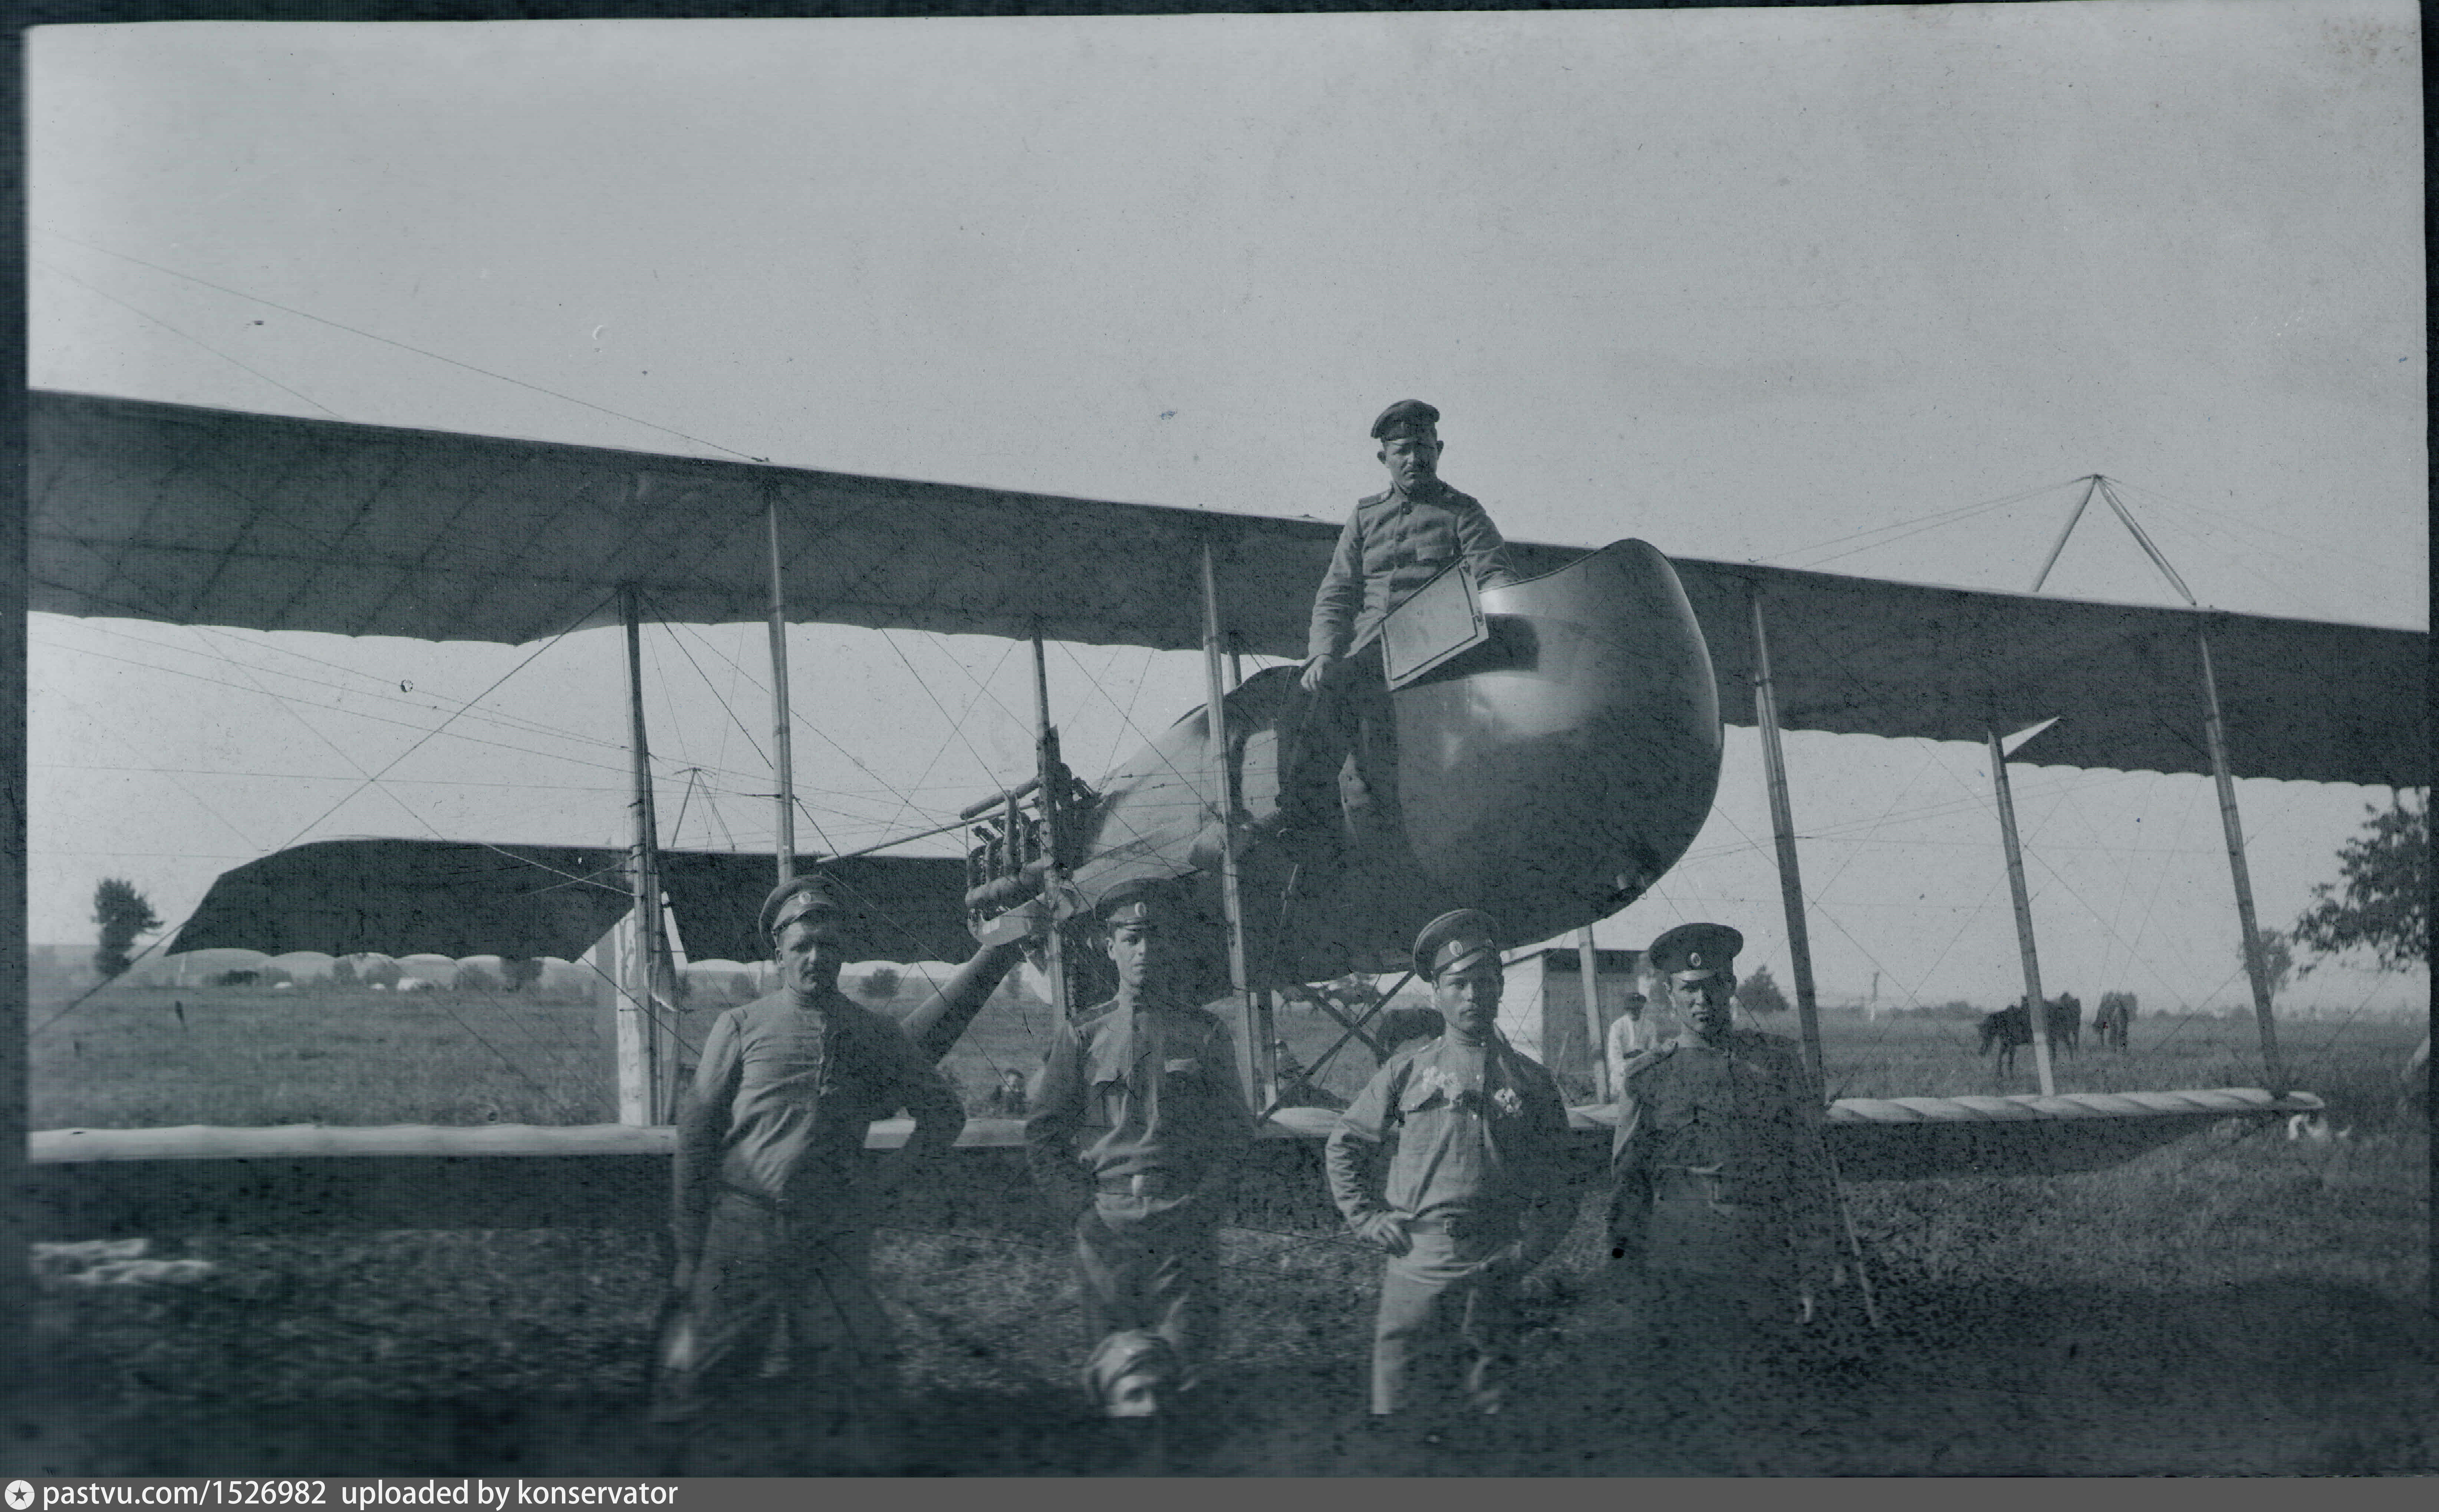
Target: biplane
1558,742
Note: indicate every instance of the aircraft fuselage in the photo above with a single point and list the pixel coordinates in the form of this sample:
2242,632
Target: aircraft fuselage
1550,776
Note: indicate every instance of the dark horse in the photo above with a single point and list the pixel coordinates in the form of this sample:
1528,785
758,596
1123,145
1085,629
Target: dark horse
2011,1028
2112,1019
2065,1020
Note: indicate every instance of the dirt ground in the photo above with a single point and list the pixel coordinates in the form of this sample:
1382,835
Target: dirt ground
2273,1376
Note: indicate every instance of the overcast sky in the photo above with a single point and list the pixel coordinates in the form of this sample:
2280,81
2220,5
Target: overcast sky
1797,287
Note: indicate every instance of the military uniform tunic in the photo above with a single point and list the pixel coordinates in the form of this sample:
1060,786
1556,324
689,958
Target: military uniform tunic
1481,1136
1724,1195
1156,1093
1345,737
1389,548
790,1098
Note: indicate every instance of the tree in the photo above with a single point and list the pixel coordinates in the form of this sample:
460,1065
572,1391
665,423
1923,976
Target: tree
2277,958
2385,907
1757,993
520,971
882,984
123,913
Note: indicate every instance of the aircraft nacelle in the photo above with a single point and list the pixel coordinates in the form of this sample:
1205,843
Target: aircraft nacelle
1550,774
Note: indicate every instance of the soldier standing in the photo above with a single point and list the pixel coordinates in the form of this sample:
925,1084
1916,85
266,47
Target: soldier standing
1620,1047
1725,1208
1150,1080
775,1194
1008,1098
1394,543
1475,1195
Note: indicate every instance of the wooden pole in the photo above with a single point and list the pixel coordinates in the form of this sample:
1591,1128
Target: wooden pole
783,760
642,1037
1045,752
1596,1032
1259,1067
2255,967
1782,826
2037,1011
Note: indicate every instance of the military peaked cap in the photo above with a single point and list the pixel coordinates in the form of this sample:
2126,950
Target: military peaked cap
1128,899
1128,1352
1696,951
1403,413
1455,939
811,892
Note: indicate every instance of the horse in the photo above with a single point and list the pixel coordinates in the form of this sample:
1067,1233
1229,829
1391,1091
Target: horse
2066,1021
2008,1029
2112,1019
2011,1028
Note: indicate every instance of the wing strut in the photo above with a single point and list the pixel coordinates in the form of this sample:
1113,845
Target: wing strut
1259,1065
2037,1010
2255,967
1588,972
647,1067
783,759
1046,774
1782,826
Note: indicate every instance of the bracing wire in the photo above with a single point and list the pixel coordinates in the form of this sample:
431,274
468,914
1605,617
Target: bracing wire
56,271
982,689
99,724
677,826
1917,525
736,668
307,315
1988,806
1125,716
378,719
370,781
2211,519
1813,905
492,717
394,797
799,720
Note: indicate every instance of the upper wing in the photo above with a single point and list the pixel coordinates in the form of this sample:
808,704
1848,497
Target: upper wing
168,512
201,516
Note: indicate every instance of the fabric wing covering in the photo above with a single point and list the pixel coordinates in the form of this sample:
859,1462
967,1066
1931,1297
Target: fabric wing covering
448,897
197,516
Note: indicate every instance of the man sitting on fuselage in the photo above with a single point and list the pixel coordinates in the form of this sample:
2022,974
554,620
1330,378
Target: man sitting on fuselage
1392,544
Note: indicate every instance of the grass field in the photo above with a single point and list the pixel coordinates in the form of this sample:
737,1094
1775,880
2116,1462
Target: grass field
141,1057
2238,1303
